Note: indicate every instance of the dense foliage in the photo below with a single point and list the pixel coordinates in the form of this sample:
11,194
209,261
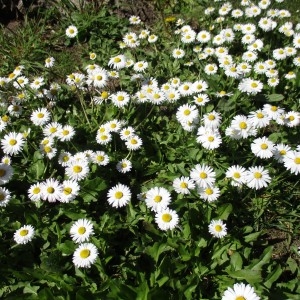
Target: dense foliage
151,160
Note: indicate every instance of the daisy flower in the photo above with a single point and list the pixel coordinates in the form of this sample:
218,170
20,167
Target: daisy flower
201,99
203,175
35,192
64,158
250,86
6,172
240,291
12,143
100,158
124,165
166,219
117,62
237,174
52,129
187,113
203,36
210,139
292,119
217,228
134,143
212,120
120,99
5,196
183,185
140,66
40,116
70,190
292,162
178,53
152,38
262,147
81,230
66,133
157,198
51,190
119,195
211,69
209,194
257,177
24,235
37,83
199,86
71,31
134,20
103,138
280,151
85,255
49,62
126,133
77,170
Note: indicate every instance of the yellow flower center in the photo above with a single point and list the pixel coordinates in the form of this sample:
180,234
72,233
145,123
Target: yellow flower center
85,253
187,112
53,130
71,31
81,230
104,137
211,138
157,198
291,118
118,195
77,169
211,117
218,228
23,232
117,59
257,175
67,190
297,160
104,95
209,191
65,158
40,115
240,298
13,142
5,119
264,146
36,190
203,175
65,132
50,190
254,85
260,115
183,185
166,218
100,158
47,149
274,108
243,125
236,175
120,98
133,141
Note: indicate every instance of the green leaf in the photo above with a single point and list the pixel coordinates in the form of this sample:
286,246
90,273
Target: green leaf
224,211
263,259
251,276
275,97
236,261
273,276
31,289
252,236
